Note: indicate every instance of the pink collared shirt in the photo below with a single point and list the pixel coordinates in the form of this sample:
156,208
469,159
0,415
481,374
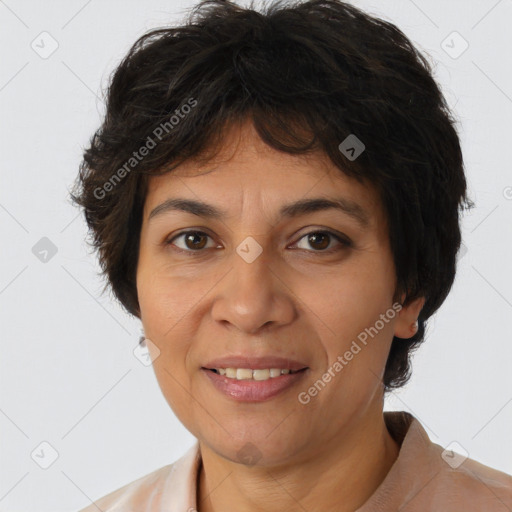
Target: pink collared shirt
423,478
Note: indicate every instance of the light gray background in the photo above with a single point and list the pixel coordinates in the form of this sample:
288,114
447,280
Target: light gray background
68,373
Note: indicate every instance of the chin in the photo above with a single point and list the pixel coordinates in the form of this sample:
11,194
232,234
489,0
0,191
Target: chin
254,446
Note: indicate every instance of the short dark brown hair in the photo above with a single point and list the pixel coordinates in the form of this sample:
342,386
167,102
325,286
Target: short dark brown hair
308,75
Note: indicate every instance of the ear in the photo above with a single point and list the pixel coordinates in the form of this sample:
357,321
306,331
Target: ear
406,324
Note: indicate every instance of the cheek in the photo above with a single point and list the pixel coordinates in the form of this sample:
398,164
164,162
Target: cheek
172,309
164,299
351,299
347,308
162,307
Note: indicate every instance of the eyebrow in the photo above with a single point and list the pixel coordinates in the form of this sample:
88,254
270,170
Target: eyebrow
295,209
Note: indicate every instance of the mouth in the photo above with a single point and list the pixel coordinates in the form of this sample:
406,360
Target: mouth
254,379
257,374
254,384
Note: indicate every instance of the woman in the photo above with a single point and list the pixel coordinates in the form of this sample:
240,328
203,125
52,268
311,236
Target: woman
276,196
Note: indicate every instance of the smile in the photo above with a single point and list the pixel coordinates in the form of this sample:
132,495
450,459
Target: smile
249,374
258,385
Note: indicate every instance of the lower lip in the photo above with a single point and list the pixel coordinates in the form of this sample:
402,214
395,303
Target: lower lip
253,390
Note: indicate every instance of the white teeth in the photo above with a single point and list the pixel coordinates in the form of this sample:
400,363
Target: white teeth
243,373
261,374
248,374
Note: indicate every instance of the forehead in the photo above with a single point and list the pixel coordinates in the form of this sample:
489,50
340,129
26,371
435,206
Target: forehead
245,170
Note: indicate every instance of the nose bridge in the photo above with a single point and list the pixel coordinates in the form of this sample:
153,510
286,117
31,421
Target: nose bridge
252,296
253,283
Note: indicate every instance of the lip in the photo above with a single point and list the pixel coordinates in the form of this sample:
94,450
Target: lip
253,390
255,363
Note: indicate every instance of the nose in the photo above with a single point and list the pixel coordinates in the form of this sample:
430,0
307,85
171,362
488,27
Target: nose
254,296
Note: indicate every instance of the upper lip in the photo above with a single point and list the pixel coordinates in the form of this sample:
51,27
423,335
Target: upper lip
255,363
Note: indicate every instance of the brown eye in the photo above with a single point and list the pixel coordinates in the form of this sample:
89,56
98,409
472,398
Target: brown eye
320,241
192,240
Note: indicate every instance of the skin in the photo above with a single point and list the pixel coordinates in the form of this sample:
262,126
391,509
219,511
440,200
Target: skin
293,301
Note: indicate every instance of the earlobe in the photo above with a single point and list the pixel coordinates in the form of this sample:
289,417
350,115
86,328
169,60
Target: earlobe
406,324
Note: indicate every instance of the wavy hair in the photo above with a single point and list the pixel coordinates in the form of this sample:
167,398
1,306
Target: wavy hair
307,74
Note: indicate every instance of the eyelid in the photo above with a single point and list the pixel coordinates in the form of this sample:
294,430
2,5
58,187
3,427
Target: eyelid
201,231
318,229
343,240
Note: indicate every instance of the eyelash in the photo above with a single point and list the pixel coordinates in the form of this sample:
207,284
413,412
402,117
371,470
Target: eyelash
345,242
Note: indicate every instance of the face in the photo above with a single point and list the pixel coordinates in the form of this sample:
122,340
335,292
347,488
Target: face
255,288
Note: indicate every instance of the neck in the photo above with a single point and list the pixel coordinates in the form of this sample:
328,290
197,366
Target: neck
342,475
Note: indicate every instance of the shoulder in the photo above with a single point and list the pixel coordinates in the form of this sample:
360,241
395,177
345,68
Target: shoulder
172,486
133,495
473,484
461,483
428,477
